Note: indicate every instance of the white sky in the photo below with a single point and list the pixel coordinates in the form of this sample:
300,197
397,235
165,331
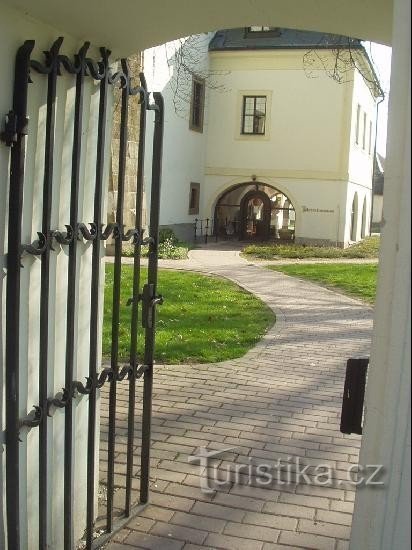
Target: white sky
381,57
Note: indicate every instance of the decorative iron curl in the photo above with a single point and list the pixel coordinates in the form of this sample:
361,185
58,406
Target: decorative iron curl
100,69
137,372
141,90
64,237
127,370
60,401
112,229
52,62
85,232
83,389
37,247
79,65
148,240
133,235
106,375
33,419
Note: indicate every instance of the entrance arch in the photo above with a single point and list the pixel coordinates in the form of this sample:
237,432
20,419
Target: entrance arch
354,218
363,227
273,217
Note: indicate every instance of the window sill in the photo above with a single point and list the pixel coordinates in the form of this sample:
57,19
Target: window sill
195,129
253,137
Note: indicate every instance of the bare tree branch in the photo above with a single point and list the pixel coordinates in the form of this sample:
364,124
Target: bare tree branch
186,60
338,56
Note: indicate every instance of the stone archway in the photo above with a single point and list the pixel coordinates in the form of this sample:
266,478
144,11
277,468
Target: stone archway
276,217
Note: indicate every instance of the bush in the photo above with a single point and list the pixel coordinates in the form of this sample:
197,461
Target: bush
168,250
167,234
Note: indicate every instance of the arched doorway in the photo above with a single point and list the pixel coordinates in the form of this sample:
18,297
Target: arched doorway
354,218
272,217
255,208
363,227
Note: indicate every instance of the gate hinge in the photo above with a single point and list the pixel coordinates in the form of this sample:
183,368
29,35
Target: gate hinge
149,302
12,128
9,135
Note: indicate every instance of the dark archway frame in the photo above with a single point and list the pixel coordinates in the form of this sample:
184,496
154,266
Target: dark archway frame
220,228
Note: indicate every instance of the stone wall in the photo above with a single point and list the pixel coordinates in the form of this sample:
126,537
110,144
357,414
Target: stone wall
129,211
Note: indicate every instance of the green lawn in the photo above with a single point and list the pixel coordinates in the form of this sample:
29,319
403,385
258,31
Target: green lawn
203,319
358,280
368,248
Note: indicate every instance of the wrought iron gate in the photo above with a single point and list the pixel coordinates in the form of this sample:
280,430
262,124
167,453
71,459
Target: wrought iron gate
16,135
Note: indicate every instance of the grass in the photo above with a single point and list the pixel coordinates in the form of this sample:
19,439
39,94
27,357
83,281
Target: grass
358,280
203,319
368,248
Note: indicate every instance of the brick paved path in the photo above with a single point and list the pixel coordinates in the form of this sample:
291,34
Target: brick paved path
280,401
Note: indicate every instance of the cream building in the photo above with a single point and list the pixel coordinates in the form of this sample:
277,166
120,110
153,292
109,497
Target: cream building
382,518
280,150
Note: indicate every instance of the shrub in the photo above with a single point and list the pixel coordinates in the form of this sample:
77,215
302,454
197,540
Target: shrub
167,234
168,250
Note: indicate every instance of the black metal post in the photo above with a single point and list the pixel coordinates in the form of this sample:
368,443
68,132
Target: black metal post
95,295
72,299
116,294
134,301
152,280
53,66
17,165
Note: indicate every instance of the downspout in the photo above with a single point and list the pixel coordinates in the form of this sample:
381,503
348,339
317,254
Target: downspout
374,159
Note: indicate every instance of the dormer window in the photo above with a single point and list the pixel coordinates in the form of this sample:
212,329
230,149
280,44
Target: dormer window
262,31
259,29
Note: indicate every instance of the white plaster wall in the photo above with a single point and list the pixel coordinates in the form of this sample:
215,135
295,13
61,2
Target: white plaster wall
14,29
183,149
361,161
305,122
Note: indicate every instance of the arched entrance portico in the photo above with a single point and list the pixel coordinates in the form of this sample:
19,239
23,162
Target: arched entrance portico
253,211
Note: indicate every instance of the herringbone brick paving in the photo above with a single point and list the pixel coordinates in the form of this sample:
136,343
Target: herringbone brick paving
280,401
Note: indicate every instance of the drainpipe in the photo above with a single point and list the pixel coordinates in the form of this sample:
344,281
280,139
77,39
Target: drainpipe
374,158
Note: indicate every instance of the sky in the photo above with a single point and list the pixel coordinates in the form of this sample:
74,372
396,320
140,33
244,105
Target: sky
381,57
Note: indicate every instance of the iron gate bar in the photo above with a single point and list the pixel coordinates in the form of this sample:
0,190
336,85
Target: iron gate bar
94,293
124,83
17,167
72,297
14,136
144,104
151,280
51,68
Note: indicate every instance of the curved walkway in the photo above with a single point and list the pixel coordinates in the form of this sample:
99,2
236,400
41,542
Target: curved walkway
281,401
